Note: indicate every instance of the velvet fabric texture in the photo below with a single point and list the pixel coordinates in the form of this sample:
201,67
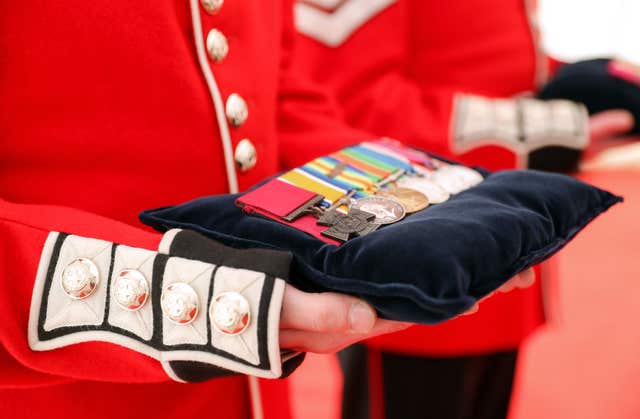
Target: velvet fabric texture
432,265
591,83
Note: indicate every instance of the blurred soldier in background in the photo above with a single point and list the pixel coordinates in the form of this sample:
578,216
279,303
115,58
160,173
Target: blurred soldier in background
456,78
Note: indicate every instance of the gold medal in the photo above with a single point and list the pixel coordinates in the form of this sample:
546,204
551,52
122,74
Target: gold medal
412,200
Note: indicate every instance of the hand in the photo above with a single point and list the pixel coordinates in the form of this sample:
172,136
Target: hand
524,279
328,322
608,124
621,157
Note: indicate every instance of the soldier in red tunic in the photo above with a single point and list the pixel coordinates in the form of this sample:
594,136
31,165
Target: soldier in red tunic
455,78
107,109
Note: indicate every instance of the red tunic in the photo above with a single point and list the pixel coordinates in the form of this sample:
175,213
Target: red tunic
396,73
105,111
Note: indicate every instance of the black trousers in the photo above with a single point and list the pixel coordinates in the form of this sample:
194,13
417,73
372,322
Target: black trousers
469,387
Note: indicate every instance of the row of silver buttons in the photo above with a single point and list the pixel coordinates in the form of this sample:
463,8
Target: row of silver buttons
229,311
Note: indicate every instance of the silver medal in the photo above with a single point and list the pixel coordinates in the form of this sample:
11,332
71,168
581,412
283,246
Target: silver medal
455,179
387,211
434,192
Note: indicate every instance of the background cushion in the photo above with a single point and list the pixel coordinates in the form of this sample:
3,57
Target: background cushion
589,82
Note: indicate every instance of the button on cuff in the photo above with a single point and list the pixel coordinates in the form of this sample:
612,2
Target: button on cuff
230,313
80,278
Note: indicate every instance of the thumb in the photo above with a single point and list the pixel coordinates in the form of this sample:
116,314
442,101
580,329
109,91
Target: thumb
325,312
611,123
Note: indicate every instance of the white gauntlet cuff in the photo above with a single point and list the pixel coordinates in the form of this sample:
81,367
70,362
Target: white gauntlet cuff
168,307
520,124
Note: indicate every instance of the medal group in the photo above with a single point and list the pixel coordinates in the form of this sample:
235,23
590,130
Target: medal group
358,189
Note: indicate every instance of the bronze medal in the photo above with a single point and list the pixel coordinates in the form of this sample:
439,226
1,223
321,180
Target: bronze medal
412,199
343,227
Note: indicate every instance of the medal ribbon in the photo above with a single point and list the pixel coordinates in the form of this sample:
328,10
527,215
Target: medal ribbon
394,161
355,153
411,154
386,150
348,177
353,172
364,168
362,165
344,186
311,183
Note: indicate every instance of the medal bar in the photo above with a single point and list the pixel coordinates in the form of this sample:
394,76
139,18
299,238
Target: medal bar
358,189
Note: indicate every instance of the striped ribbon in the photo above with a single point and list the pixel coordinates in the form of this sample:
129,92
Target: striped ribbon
343,186
305,180
364,166
346,177
379,154
355,172
413,155
360,169
372,161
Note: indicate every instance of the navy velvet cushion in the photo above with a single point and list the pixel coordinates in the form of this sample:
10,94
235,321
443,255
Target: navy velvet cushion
434,264
589,82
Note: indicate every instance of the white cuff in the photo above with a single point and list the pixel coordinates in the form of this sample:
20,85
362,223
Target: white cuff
167,307
521,125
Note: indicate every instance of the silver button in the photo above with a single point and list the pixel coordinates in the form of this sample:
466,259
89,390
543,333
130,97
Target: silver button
245,155
179,302
130,289
80,278
211,6
230,313
236,110
217,45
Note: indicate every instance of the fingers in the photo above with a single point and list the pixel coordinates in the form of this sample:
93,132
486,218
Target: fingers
611,123
304,341
325,312
523,280
474,309
527,278
328,322
621,157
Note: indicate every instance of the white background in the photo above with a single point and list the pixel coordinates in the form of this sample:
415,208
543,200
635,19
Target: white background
579,29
